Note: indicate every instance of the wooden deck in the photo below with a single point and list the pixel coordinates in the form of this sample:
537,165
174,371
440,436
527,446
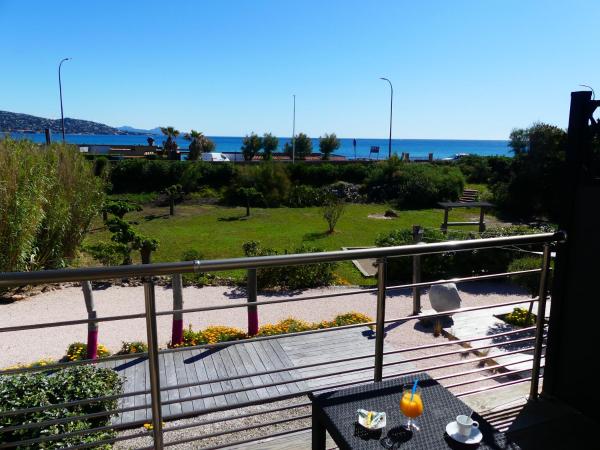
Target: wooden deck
191,366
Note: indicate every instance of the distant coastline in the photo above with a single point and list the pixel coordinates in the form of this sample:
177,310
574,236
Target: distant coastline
417,148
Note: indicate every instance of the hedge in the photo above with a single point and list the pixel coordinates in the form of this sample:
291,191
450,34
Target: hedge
40,389
411,185
291,277
453,264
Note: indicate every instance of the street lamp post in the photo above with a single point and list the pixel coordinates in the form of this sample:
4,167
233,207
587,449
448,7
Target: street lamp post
62,116
391,111
294,132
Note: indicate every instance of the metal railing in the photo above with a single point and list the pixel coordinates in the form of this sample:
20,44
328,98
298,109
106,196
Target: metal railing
158,399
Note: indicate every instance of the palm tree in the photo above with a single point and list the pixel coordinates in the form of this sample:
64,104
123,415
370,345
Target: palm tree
170,145
196,139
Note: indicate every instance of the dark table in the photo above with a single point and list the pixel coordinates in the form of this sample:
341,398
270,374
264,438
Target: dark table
335,412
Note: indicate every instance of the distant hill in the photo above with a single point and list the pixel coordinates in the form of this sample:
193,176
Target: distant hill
129,129
10,121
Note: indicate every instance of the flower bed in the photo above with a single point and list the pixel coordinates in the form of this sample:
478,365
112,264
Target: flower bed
214,334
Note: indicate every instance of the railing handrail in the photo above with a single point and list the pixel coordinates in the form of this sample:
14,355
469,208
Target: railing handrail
11,279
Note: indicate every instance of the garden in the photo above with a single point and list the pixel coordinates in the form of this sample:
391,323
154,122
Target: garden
59,209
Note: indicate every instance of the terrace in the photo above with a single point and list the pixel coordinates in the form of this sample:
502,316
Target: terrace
245,393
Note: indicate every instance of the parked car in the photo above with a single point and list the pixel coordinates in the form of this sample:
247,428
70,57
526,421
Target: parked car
215,157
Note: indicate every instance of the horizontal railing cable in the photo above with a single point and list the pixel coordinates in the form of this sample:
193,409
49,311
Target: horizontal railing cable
72,418
489,388
456,363
338,372
481,369
99,444
491,377
69,364
344,294
343,360
65,323
11,279
72,403
255,439
60,436
345,327
240,416
235,430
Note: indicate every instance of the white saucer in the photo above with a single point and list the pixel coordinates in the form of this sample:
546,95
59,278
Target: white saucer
363,422
474,438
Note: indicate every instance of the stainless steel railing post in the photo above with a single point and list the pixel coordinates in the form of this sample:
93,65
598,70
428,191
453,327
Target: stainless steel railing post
151,329
539,331
380,320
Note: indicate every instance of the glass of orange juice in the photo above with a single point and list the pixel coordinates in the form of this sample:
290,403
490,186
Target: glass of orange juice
411,405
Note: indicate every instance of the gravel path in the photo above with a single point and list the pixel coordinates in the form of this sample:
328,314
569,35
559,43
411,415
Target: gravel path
68,304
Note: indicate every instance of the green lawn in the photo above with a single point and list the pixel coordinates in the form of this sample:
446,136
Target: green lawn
219,232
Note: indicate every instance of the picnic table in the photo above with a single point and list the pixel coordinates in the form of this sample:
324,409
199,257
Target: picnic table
335,412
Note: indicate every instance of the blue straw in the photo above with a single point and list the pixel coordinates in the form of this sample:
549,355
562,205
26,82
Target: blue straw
414,389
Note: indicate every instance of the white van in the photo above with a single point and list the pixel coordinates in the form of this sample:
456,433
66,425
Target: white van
216,157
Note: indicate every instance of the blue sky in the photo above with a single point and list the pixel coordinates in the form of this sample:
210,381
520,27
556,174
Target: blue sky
461,69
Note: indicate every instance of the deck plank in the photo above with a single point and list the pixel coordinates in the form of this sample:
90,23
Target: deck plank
246,359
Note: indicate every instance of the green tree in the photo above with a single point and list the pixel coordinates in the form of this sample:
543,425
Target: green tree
270,144
119,208
251,196
195,138
170,145
332,210
328,144
174,193
251,146
303,147
48,198
533,187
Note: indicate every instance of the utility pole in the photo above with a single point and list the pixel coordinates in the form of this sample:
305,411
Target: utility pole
62,116
294,132
391,110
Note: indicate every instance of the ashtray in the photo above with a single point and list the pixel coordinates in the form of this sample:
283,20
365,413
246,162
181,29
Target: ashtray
371,420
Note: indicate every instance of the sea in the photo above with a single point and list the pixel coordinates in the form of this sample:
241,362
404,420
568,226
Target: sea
417,148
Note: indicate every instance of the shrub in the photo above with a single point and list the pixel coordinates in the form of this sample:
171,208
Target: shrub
303,196
414,185
108,253
191,338
289,325
199,174
142,175
520,317
270,179
48,198
133,347
221,333
120,207
195,278
345,191
291,277
30,390
350,318
78,351
332,210
450,264
530,281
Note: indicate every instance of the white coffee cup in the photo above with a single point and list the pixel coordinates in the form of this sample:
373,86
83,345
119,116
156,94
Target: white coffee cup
466,425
